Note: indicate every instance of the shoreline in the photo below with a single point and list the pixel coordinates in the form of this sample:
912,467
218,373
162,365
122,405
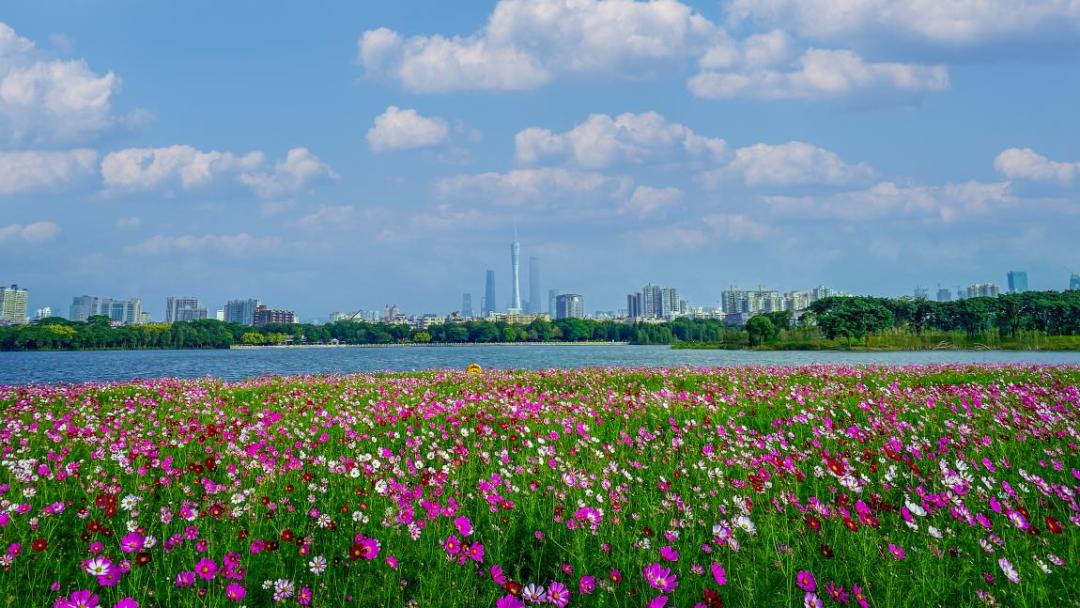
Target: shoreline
427,344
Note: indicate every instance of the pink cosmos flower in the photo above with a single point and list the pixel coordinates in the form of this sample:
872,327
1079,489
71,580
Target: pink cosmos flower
811,600
508,601
463,526
80,599
837,592
127,602
719,574
658,602
806,581
558,594
476,552
132,542
235,592
206,569
452,545
587,585
669,553
369,548
897,551
497,575
661,578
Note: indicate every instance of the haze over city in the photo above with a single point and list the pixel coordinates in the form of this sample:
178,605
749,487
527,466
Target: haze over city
333,159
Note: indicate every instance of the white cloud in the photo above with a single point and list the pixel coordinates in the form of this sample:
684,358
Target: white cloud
290,176
404,129
667,238
148,168
602,141
1026,164
527,43
886,199
647,201
794,163
950,24
128,223
822,74
43,170
736,227
232,244
37,232
47,100
541,186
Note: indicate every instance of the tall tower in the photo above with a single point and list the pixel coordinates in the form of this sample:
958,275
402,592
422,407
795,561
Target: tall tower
489,293
534,285
515,259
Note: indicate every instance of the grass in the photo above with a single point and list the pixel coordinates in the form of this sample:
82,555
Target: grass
571,477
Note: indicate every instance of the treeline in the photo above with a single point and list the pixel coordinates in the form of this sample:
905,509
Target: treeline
97,333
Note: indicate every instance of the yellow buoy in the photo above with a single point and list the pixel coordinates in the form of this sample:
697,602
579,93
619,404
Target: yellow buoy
474,370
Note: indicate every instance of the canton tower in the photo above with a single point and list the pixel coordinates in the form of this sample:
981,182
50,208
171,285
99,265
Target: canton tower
515,255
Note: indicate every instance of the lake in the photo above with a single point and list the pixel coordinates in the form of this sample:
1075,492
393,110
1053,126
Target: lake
104,366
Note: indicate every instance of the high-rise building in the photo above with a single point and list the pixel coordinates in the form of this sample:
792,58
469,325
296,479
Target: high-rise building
922,293
651,301
633,305
1017,281
515,267
183,308
569,306
552,294
83,307
241,311
489,294
266,316
466,305
13,302
944,294
219,314
43,313
122,312
1074,280
982,290
669,303
534,285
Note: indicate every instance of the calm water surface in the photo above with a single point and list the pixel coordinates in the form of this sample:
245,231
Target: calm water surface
24,368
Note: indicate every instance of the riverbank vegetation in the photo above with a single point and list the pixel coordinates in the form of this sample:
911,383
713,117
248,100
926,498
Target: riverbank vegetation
1028,321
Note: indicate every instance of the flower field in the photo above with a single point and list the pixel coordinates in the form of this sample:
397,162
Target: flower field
816,486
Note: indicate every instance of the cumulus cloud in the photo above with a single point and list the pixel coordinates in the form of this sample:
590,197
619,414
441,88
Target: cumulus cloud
602,141
290,176
540,187
952,24
647,201
232,244
50,100
528,43
887,199
794,163
28,171
189,168
713,229
31,233
404,129
1026,164
818,74
736,227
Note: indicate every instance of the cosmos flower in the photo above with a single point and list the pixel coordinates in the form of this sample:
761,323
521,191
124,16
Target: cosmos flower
660,578
806,581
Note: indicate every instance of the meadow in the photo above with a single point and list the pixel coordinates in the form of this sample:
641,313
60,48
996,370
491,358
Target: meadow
814,486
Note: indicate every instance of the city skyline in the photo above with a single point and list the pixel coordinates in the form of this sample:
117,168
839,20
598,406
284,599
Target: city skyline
342,161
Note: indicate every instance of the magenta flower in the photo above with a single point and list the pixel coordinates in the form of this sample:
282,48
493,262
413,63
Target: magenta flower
369,548
463,526
127,602
558,594
837,592
206,569
587,585
719,574
185,579
235,592
657,602
661,578
132,542
806,581
669,553
452,545
83,598
497,575
509,601
476,552
897,551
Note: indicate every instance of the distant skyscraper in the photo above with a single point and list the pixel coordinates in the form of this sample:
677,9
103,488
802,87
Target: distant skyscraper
83,307
1017,281
982,290
489,294
944,294
651,301
466,305
552,294
122,312
241,311
922,293
43,313
13,303
271,316
633,305
534,285
569,306
1074,280
515,265
183,308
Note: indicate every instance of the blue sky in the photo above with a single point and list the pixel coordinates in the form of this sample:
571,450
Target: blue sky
338,155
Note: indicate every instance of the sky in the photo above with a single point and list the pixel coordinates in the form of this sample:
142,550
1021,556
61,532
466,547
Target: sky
334,156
